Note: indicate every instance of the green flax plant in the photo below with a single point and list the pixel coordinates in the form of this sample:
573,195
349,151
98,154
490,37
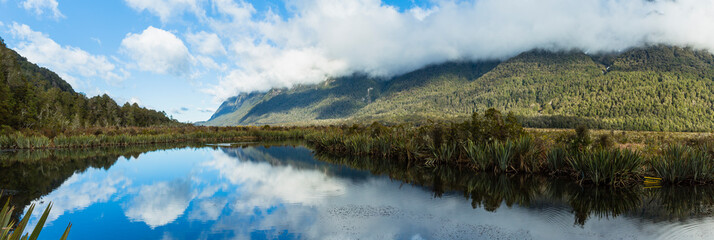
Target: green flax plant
529,154
502,154
680,163
606,167
556,160
10,230
477,154
443,153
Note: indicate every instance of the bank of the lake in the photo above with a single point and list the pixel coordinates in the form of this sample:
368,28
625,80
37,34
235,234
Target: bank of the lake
488,142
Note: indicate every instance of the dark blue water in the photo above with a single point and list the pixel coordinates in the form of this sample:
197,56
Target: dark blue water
285,193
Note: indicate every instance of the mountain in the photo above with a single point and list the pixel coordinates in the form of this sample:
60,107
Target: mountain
32,97
660,88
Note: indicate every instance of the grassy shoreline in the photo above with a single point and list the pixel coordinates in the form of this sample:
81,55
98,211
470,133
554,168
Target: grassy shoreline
102,137
493,143
488,142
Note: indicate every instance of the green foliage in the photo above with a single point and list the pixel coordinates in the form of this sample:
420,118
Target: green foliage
680,163
657,88
10,231
442,153
581,140
602,166
131,136
491,126
477,155
605,141
35,98
521,154
557,159
502,154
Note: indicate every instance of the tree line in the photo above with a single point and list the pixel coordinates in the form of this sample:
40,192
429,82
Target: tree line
32,97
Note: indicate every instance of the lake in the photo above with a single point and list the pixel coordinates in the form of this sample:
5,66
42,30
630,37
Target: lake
285,191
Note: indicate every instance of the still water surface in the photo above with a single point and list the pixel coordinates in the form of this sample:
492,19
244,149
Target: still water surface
284,192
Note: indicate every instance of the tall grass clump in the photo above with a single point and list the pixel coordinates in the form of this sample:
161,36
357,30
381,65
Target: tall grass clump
10,230
520,155
443,153
556,160
6,142
502,154
20,141
477,154
529,154
680,163
606,167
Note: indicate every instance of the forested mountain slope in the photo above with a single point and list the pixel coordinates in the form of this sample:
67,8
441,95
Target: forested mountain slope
654,88
32,97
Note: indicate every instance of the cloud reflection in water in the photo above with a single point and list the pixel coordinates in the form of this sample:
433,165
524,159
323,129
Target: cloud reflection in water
257,192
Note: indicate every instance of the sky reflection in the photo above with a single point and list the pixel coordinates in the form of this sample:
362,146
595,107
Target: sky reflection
284,193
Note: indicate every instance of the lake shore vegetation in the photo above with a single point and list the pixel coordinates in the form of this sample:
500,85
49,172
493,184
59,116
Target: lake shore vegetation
487,142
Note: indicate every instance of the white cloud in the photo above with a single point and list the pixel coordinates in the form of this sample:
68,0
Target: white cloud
206,110
208,209
81,191
66,61
40,6
265,67
158,51
206,43
133,100
420,13
160,203
286,185
166,9
320,38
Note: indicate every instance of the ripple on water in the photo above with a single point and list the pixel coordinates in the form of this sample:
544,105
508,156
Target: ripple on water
350,219
363,211
699,229
556,215
471,231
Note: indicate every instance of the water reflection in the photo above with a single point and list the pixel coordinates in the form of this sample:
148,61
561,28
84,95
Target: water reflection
284,192
491,192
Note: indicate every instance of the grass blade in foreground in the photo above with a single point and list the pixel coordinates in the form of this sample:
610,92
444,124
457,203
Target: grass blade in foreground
17,232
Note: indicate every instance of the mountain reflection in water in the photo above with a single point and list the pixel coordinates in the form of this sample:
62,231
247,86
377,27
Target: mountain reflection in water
285,192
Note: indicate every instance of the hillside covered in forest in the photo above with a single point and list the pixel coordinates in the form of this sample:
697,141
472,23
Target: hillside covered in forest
660,88
33,97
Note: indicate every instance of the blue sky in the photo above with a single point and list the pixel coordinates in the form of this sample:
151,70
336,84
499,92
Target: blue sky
99,27
185,57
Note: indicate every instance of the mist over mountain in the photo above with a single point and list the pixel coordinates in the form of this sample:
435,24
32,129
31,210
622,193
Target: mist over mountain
651,88
322,39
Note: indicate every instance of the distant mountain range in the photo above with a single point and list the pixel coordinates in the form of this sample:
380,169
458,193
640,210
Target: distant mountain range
660,88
